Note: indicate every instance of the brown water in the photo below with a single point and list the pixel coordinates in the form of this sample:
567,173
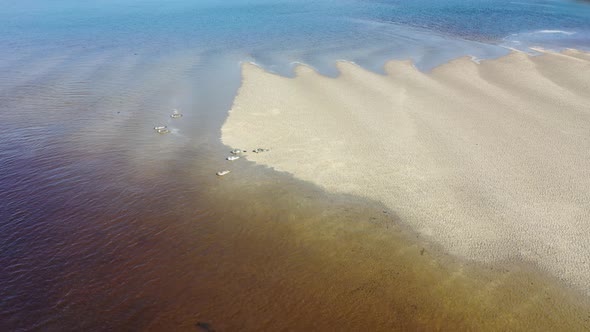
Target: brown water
106,225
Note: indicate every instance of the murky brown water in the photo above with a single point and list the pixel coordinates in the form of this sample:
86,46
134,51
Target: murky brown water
107,225
283,255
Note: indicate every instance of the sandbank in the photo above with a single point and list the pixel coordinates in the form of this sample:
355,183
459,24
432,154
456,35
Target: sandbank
491,161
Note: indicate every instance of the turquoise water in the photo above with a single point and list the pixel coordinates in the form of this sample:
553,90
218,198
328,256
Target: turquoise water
276,33
100,216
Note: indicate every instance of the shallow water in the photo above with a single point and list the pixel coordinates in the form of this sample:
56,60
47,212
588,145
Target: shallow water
105,224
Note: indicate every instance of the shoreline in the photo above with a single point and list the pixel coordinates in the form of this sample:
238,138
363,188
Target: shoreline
292,152
341,262
333,261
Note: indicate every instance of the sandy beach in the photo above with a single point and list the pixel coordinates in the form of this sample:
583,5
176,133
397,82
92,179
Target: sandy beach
491,161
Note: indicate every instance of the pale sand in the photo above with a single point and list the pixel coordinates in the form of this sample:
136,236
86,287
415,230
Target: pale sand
490,160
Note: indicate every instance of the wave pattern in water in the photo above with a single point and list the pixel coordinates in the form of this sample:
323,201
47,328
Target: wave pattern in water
104,224
277,33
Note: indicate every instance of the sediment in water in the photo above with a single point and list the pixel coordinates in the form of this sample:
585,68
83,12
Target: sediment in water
287,255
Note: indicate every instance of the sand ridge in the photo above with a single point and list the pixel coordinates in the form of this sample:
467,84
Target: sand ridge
489,160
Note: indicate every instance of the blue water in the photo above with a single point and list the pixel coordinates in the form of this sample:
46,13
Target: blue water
275,33
95,205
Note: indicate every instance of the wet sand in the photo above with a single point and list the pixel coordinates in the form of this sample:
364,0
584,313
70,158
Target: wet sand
488,161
